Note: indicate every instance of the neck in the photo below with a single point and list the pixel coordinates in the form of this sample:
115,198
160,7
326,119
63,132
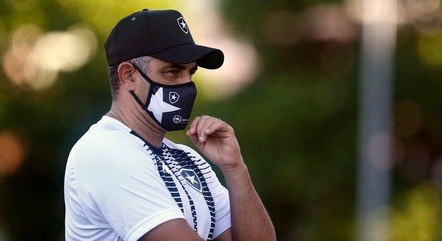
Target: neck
139,121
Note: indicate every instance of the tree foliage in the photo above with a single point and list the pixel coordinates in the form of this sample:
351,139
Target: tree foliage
297,123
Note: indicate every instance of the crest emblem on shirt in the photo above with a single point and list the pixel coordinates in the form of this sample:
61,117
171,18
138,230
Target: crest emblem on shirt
192,179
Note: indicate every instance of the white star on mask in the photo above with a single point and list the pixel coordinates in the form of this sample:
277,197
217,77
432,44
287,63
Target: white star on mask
157,106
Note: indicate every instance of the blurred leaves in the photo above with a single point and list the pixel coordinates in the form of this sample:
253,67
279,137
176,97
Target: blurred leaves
301,140
417,215
296,123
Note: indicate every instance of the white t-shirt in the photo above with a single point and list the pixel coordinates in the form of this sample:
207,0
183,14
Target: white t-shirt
119,187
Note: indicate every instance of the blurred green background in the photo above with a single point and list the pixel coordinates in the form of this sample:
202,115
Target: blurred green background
289,87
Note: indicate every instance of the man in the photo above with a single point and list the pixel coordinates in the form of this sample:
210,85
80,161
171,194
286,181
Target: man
125,181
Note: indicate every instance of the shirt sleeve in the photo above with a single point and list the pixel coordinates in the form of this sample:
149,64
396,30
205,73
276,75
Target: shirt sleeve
121,185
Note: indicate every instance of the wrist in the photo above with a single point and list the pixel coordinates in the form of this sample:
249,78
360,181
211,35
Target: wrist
236,171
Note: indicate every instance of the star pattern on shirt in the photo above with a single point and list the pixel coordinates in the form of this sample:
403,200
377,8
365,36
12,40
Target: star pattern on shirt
157,105
190,178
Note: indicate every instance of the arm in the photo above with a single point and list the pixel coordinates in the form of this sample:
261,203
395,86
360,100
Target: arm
216,140
177,229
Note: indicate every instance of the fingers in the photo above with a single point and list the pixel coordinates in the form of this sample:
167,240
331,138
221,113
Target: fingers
204,126
201,126
192,126
215,126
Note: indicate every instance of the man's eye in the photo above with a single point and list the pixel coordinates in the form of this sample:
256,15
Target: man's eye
174,72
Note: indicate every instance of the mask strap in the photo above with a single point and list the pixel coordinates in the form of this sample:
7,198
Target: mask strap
137,99
147,79
144,75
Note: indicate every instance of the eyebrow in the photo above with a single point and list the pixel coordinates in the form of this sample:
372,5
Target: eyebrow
180,66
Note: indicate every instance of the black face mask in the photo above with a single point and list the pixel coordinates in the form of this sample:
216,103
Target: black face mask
169,105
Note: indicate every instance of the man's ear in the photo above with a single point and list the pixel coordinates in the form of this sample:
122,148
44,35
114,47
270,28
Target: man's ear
125,72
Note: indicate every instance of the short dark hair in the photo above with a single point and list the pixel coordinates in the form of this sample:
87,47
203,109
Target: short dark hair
114,82
141,62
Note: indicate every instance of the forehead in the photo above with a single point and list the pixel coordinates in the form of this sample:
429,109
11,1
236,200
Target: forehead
158,63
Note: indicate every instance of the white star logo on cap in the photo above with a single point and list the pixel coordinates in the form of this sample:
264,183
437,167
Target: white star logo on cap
157,106
183,25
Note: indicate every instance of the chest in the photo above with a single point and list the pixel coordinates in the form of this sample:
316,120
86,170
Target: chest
186,178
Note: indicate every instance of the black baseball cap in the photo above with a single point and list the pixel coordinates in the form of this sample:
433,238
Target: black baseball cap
162,34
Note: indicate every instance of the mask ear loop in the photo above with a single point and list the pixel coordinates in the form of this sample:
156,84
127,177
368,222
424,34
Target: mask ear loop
137,99
133,93
145,105
143,75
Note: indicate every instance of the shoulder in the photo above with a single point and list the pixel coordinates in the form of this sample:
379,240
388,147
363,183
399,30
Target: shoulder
109,149
108,137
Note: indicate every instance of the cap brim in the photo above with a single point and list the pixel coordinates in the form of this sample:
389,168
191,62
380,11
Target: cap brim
205,57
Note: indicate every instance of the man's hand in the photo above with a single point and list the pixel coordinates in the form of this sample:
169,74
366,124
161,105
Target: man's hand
216,140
